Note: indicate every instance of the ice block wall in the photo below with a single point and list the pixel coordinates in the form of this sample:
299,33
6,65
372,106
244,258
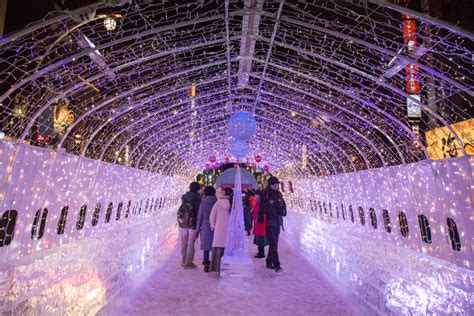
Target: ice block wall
420,262
75,232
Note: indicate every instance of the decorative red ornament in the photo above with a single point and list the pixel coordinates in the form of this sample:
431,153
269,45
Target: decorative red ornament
252,165
207,167
265,168
40,139
236,165
217,165
258,158
212,158
227,159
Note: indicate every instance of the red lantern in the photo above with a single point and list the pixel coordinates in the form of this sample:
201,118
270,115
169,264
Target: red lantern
236,165
227,159
212,158
265,168
258,158
409,33
207,167
217,165
412,81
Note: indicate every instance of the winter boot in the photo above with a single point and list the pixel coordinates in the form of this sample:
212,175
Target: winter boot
206,268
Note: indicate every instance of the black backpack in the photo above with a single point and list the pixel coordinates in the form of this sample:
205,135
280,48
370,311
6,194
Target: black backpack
186,216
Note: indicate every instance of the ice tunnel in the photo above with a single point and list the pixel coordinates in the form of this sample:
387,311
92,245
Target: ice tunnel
364,111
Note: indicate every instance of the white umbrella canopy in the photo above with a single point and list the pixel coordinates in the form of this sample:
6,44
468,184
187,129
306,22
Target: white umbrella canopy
227,178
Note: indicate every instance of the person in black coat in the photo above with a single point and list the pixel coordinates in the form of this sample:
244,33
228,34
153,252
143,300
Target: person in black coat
273,205
248,216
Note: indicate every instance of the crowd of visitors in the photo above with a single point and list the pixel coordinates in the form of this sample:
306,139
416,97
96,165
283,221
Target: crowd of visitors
206,214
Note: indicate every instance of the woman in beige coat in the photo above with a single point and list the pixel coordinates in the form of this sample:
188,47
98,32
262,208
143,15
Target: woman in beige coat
219,220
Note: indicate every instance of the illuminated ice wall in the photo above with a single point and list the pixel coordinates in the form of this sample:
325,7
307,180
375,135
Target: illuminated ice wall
399,238
76,232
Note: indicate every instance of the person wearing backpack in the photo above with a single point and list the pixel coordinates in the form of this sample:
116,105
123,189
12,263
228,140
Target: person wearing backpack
187,218
273,206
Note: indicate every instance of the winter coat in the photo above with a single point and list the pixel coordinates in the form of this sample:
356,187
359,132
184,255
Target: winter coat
203,225
193,199
219,220
259,228
273,205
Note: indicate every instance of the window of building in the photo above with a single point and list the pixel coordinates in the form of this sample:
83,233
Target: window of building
140,207
343,212
454,234
119,211
424,228
337,211
96,215
330,209
324,207
156,204
151,204
62,220
37,230
7,227
386,221
362,216
108,213
320,207
146,205
373,218
351,213
402,219
161,202
134,211
81,218
127,212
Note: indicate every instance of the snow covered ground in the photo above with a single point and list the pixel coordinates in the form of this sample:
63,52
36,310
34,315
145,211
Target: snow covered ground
298,290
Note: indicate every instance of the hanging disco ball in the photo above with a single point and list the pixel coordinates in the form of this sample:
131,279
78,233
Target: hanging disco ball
239,148
242,125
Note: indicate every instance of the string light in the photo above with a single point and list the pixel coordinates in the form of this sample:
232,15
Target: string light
156,94
110,24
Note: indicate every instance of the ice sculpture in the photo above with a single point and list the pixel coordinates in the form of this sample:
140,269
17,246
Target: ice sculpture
236,262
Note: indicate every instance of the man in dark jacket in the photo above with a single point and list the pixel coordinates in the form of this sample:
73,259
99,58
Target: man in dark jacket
188,235
273,205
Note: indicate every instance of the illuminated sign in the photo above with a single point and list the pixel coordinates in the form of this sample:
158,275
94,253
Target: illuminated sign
442,143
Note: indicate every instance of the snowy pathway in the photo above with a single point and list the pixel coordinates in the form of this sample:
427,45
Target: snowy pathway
297,290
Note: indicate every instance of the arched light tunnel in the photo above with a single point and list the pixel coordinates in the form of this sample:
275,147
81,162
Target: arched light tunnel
363,108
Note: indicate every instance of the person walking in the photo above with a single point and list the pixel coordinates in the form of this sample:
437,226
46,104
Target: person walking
273,205
219,220
203,226
260,235
187,218
248,217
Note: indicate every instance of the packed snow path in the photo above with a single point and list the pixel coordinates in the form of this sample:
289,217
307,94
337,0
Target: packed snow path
298,290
